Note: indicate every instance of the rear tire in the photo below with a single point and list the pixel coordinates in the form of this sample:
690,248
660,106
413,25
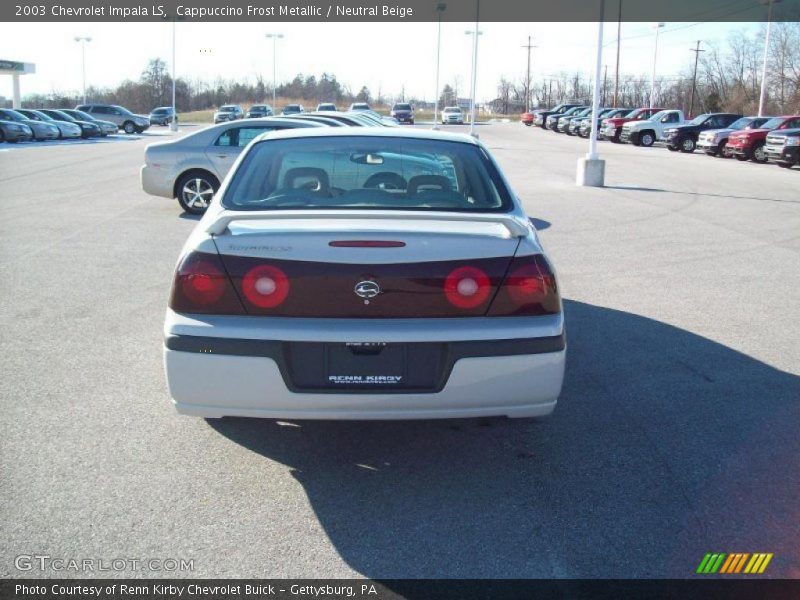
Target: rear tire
129,127
195,190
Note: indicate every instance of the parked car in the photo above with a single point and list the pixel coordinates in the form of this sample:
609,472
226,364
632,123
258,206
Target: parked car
611,128
13,132
163,115
66,129
41,130
258,111
452,115
191,168
684,137
527,118
106,127
403,112
359,106
319,285
551,122
783,147
648,132
228,112
293,109
89,129
563,125
586,127
541,116
750,144
326,107
123,118
714,141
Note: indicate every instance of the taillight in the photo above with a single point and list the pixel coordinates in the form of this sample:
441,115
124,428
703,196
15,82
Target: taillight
467,287
529,288
201,285
265,286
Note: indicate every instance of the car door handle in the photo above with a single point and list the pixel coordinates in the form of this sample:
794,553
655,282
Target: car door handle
223,155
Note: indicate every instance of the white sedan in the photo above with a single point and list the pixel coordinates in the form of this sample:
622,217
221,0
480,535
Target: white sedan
364,274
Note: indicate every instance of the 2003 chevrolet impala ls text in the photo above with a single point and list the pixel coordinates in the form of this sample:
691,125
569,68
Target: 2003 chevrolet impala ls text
364,274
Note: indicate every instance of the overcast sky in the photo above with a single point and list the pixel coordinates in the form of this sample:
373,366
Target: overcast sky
384,56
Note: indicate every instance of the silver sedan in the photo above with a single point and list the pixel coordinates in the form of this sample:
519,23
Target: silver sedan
192,167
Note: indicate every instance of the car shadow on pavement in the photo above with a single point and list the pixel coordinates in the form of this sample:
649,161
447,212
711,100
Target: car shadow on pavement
630,188
664,446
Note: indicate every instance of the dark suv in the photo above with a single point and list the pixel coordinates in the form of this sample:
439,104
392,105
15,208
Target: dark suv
684,137
119,115
540,117
403,112
783,147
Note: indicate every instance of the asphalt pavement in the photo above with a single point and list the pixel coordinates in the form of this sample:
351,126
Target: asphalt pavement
676,433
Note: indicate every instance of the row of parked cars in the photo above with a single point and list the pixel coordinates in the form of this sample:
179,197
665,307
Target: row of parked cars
401,112
83,121
758,139
191,168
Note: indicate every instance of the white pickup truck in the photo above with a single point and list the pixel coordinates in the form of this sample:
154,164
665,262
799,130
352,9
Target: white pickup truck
646,133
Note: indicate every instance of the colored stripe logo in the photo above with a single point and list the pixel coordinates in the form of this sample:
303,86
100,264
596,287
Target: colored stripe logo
737,562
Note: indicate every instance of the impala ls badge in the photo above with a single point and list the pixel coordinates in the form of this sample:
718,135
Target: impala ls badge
367,290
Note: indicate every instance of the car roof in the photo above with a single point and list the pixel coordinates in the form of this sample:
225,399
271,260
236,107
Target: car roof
393,132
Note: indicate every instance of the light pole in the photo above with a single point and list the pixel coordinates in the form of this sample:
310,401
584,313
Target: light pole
275,37
697,52
591,168
528,77
83,39
616,71
475,35
173,124
653,74
763,94
440,8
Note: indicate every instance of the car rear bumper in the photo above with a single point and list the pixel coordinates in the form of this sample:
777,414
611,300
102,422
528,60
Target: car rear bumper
156,181
217,375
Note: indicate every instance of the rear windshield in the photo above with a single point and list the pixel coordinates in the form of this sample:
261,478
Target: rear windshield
402,107
366,173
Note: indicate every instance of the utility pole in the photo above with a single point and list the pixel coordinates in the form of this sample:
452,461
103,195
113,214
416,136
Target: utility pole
528,77
82,39
697,52
616,71
762,95
275,37
605,84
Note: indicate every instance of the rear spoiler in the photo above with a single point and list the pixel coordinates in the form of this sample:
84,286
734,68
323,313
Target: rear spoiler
514,226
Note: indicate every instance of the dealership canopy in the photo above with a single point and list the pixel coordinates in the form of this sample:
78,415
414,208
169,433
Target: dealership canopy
15,69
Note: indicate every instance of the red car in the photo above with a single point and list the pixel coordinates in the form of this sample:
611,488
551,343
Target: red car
749,144
611,128
527,119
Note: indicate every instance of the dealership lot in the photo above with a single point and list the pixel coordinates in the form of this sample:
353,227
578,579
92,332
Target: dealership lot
676,434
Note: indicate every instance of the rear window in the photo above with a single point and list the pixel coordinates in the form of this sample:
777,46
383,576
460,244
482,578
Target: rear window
402,107
366,173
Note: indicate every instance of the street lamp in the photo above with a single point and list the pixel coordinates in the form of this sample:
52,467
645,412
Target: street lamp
440,8
275,37
474,35
82,39
653,74
591,168
173,124
763,93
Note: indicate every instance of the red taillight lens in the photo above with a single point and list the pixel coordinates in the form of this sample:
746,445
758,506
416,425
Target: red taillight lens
467,287
528,289
265,286
202,286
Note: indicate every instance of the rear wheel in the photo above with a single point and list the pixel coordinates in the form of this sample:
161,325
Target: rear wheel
129,127
687,145
758,154
195,191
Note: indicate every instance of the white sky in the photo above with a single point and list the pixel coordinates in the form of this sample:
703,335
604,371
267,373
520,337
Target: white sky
385,55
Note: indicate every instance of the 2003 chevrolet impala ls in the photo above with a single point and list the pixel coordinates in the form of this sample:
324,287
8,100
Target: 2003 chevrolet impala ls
364,274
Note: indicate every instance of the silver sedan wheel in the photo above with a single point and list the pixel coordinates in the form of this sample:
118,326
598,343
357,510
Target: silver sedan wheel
197,193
